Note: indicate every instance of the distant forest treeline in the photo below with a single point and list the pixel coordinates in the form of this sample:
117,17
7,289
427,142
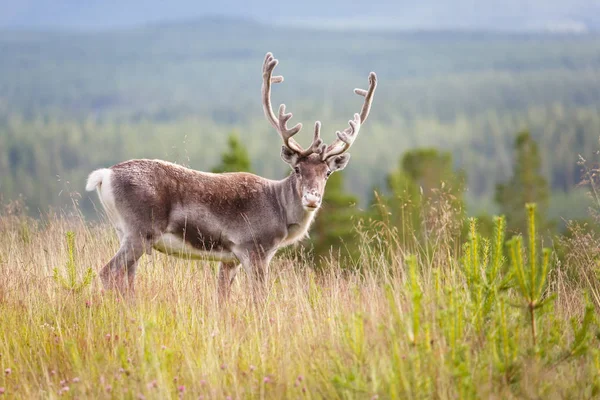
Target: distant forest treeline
72,102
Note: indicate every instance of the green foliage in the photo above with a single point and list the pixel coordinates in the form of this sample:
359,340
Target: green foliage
70,281
527,185
428,168
482,265
333,230
424,177
529,274
505,343
236,158
583,334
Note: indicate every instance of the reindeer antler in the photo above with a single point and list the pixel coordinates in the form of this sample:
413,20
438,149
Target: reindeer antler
347,136
280,124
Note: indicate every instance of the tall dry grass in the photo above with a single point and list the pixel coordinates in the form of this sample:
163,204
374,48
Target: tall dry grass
400,326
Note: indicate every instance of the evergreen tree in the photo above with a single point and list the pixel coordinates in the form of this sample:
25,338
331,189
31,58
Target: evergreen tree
403,204
333,230
236,158
422,177
526,185
432,170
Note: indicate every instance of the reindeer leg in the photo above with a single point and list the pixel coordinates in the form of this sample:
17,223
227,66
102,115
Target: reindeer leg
256,265
124,262
131,277
227,272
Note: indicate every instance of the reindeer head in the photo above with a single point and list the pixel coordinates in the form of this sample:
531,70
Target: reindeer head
312,166
311,174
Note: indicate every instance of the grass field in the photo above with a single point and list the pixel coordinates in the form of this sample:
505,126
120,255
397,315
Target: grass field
434,325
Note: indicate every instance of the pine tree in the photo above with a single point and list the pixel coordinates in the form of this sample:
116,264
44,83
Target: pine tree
431,169
333,230
526,185
236,158
422,177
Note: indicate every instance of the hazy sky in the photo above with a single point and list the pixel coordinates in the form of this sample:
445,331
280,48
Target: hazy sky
424,14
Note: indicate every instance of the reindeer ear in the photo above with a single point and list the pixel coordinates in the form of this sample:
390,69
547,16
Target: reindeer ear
338,162
289,156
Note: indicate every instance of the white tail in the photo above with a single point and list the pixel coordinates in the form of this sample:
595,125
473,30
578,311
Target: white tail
95,179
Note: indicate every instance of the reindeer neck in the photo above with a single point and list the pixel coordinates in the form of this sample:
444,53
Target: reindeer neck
290,202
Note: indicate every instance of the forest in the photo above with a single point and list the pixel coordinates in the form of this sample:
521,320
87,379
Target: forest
74,101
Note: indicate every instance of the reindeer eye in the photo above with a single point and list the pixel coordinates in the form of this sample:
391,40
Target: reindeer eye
297,170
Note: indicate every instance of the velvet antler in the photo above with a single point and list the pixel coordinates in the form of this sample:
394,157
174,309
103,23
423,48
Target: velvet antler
346,138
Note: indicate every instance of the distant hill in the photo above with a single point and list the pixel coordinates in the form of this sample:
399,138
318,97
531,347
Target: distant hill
504,15
72,101
211,66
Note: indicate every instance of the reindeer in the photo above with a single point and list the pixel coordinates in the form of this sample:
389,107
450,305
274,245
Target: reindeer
239,219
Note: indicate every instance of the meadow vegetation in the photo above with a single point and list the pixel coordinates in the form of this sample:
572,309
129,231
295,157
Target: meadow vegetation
442,315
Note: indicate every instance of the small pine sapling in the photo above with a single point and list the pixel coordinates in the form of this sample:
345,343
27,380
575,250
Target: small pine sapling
582,332
482,263
530,276
69,282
